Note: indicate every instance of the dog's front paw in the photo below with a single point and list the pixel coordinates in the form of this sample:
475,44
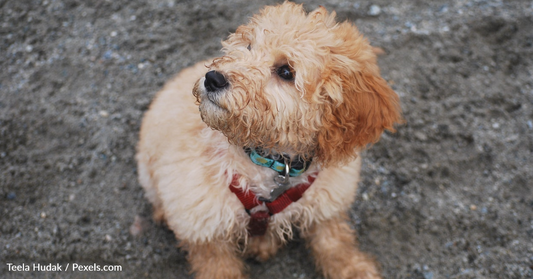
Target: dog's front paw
261,248
359,267
347,263
215,260
335,250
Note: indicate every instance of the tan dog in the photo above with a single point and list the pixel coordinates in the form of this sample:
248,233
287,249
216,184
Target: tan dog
285,113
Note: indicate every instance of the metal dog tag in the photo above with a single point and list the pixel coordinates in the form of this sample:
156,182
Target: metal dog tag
283,184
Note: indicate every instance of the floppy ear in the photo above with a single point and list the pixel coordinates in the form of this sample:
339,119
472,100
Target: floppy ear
359,105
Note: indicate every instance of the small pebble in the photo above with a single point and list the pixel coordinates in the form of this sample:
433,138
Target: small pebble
108,238
103,113
473,207
43,215
428,275
11,196
374,10
108,55
29,48
113,33
421,136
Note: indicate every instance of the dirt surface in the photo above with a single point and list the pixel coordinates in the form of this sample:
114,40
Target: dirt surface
448,196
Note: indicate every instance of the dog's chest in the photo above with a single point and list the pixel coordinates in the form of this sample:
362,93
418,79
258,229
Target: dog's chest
260,209
268,185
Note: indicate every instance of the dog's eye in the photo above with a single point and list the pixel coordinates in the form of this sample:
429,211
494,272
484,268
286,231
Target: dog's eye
285,72
249,47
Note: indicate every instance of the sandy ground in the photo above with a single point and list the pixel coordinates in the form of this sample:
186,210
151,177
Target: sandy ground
448,196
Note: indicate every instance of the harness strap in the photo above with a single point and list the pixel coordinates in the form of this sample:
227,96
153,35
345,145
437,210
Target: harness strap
259,219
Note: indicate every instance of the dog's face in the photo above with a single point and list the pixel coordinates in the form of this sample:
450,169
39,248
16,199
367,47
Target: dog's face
298,83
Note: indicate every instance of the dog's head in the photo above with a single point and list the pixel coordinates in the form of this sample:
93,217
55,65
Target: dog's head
300,84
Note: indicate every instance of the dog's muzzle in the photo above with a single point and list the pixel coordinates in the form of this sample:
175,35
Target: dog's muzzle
214,82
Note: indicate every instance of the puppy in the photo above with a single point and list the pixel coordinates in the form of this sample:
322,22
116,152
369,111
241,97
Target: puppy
238,151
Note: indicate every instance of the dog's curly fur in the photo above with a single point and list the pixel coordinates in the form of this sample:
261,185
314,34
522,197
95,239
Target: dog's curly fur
336,105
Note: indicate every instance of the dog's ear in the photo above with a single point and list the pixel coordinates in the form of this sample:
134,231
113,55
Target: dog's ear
359,104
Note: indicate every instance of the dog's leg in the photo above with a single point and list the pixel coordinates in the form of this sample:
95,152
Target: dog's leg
335,250
263,247
215,260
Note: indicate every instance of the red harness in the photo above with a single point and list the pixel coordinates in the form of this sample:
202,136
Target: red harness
259,219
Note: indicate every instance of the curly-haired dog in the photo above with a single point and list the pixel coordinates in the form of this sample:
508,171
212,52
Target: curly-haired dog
274,146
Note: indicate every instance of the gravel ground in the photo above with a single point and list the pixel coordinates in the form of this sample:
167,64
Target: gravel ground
447,196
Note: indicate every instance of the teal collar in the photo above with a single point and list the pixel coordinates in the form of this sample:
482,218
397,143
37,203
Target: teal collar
296,167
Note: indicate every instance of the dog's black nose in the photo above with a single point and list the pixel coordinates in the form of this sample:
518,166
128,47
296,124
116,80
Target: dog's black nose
215,81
